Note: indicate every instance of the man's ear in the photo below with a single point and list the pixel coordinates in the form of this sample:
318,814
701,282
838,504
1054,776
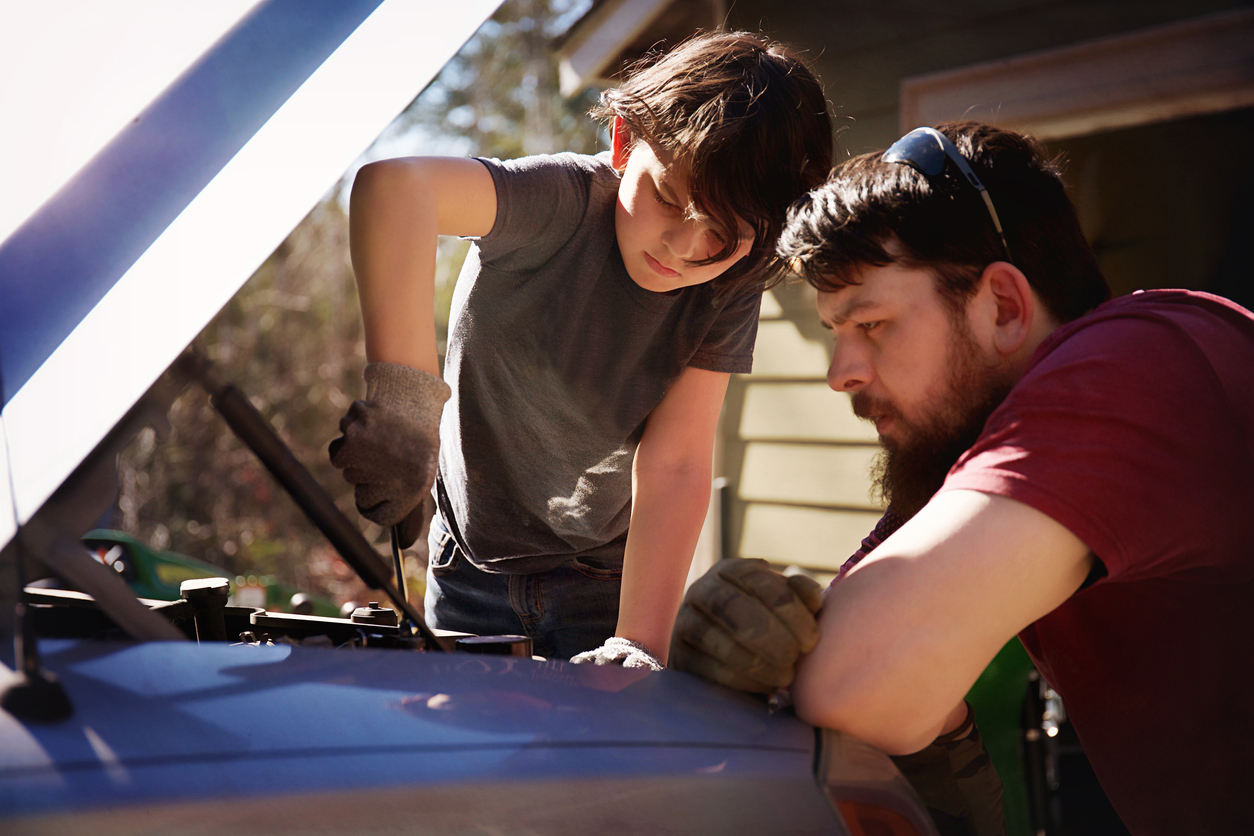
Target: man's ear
1011,304
620,143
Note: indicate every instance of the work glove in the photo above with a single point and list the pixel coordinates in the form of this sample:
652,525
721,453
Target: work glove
745,625
389,445
620,651
955,778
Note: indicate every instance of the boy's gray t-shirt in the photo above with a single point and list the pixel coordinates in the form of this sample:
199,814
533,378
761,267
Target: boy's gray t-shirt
555,359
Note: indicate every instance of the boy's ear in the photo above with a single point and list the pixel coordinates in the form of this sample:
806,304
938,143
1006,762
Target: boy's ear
1011,304
620,143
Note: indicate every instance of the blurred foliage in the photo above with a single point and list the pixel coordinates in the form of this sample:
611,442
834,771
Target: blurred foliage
291,338
291,341
499,93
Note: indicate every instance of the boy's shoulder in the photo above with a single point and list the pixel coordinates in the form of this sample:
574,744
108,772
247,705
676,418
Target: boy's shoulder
545,200
590,167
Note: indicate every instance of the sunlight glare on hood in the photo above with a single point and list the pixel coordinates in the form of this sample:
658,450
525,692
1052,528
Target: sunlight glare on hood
74,72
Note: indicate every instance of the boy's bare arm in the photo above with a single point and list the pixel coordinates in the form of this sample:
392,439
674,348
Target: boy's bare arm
397,210
670,495
389,440
905,634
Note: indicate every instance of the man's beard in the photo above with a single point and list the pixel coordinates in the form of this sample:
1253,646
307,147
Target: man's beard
908,472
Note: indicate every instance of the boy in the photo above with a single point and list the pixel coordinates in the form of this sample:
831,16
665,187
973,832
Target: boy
593,330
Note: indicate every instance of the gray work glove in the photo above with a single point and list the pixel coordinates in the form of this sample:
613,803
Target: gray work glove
620,651
745,625
955,778
390,443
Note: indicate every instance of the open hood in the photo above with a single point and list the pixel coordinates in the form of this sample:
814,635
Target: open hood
232,121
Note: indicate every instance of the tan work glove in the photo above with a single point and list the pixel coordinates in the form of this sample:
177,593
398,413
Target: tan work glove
955,778
390,445
745,625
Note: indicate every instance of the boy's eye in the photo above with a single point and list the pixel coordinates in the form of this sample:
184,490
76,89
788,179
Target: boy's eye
658,197
870,326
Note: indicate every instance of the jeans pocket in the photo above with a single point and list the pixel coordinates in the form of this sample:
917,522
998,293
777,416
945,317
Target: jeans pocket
445,556
600,568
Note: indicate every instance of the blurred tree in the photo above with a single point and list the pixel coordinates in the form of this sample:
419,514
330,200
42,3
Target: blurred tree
291,338
499,95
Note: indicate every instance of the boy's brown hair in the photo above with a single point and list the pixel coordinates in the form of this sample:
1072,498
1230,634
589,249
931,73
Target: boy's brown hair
748,120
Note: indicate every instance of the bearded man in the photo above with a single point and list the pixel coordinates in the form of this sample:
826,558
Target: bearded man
1070,469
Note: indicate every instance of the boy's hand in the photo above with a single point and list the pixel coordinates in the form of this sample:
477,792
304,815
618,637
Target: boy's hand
745,625
391,440
620,651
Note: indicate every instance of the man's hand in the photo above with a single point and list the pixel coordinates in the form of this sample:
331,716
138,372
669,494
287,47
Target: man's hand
390,442
955,778
620,651
745,625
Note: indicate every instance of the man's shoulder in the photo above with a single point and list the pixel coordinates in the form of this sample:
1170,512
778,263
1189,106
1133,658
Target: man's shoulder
1131,324
1169,305
1155,357
1172,301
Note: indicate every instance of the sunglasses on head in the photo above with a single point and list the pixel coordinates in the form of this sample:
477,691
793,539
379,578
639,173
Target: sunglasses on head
926,150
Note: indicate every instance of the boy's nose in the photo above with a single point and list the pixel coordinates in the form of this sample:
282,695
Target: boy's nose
687,240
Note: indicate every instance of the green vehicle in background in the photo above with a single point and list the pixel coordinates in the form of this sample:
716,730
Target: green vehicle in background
1000,698
1049,786
156,574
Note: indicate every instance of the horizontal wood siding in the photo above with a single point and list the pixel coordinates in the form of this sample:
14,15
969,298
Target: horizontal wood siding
801,411
817,538
807,474
796,458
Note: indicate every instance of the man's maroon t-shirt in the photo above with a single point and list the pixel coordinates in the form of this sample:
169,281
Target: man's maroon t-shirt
1134,428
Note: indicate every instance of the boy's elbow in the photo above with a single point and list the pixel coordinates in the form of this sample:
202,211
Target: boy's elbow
367,185
378,174
370,173
686,470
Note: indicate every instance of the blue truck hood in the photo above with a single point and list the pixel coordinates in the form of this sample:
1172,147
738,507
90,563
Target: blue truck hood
156,723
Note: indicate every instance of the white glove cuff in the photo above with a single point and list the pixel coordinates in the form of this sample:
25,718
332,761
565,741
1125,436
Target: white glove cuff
633,654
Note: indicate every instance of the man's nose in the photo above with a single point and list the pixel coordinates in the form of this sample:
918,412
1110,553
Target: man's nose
849,370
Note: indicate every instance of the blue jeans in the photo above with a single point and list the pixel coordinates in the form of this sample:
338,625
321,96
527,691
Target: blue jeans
564,611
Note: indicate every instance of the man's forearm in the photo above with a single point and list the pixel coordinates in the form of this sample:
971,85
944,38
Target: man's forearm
907,632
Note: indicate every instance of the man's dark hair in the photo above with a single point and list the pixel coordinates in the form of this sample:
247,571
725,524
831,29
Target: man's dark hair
872,212
748,120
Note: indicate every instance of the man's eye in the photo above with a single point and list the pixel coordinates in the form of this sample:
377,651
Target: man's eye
871,326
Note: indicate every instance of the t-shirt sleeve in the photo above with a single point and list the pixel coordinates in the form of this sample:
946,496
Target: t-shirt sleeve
728,345
1124,435
540,202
